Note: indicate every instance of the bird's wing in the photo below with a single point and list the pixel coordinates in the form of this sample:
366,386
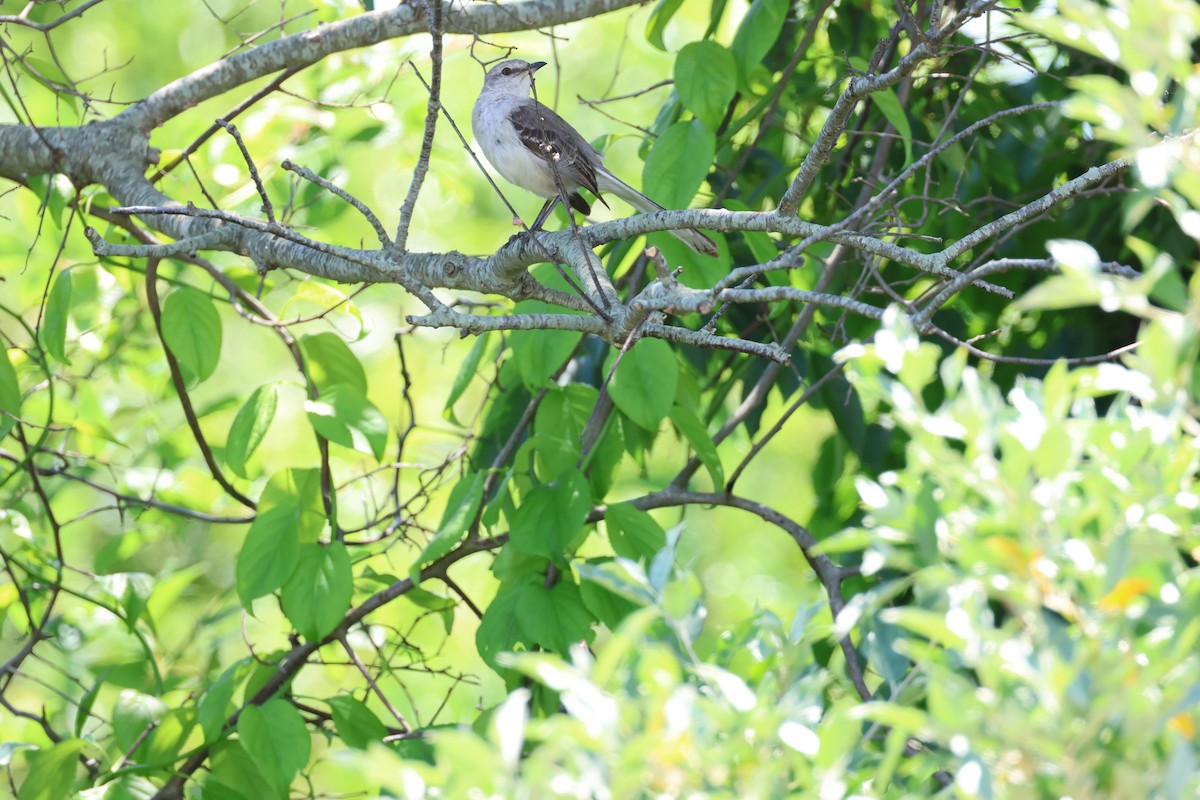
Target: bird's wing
548,135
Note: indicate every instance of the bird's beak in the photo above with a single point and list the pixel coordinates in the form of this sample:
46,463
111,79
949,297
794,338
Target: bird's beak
535,66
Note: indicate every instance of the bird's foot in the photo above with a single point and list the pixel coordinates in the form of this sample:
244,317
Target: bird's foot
519,236
523,235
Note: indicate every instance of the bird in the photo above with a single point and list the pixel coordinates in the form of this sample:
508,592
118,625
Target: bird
519,137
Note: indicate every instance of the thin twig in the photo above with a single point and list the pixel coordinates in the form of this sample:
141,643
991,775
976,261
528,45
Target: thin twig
433,13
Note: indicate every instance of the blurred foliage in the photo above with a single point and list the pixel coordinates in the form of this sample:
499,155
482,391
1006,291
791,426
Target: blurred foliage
432,589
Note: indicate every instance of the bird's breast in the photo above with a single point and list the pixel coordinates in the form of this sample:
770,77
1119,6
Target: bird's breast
503,149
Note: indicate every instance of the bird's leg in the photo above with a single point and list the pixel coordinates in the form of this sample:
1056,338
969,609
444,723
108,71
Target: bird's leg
547,207
537,223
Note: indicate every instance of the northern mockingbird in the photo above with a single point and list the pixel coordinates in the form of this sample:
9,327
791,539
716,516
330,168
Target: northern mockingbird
520,137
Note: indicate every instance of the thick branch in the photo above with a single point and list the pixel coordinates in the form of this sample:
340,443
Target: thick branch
307,48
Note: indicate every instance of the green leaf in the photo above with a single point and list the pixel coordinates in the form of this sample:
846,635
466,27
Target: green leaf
549,517
129,787
344,416
53,191
162,746
276,738
659,18
607,606
557,427
270,553
10,394
466,372
758,32
53,333
554,456
706,79
317,595
329,361
234,775
325,297
51,771
86,703
366,133
678,163
687,423
643,387
250,426
632,532
439,604
191,329
356,724
893,715
540,354
461,508
895,113
930,624
264,669
132,714
216,703
498,631
513,566
132,590
298,488
761,246
554,618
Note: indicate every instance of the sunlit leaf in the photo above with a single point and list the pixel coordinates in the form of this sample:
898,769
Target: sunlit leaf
356,724
270,553
216,703
657,24
706,79
10,394
757,32
298,488
191,329
325,297
329,361
51,771
53,333
276,737
317,594
461,509
133,715
464,376
498,631
549,517
687,423
678,163
554,618
643,386
250,427
632,532
539,354
891,107
344,416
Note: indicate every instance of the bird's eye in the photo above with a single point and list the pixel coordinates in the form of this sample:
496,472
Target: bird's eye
506,71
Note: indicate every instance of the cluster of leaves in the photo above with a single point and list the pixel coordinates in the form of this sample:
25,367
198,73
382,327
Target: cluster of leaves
1033,616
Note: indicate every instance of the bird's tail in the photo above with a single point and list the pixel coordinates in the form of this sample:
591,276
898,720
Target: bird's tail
694,239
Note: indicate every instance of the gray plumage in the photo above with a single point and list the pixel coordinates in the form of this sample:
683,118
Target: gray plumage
545,133
517,134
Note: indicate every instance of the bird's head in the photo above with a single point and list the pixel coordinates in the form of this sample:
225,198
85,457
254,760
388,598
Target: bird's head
513,77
